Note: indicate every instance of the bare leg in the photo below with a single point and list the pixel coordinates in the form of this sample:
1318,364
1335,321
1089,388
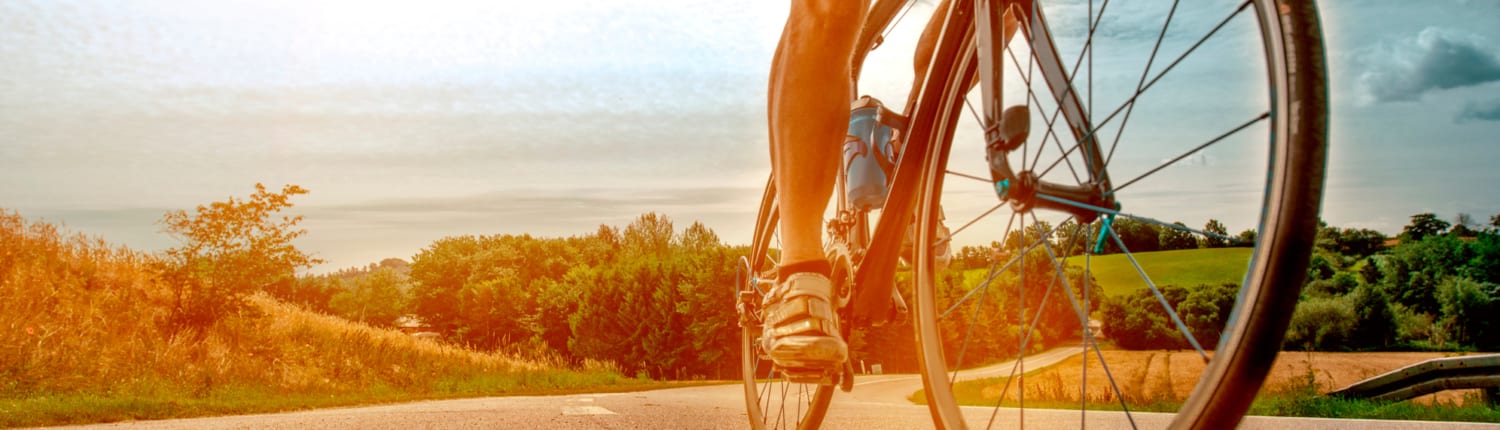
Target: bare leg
809,116
929,38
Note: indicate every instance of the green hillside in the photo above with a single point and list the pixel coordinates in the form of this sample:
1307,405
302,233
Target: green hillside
1186,267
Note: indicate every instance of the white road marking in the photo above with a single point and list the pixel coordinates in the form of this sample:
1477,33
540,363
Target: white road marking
586,410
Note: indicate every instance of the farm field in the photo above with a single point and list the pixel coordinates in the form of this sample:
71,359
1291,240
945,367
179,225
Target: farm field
1147,377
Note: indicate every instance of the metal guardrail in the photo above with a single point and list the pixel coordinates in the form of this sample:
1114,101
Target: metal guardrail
1431,376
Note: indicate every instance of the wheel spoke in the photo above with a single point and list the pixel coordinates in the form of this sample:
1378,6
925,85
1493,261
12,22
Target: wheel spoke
972,222
1170,311
1142,82
968,176
1210,142
1136,96
1102,363
993,273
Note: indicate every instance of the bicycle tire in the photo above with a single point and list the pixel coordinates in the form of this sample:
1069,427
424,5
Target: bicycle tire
1291,36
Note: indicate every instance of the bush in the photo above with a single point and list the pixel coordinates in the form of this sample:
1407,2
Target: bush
1466,307
1322,323
1138,321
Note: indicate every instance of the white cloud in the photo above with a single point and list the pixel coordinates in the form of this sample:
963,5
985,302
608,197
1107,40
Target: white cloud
1431,60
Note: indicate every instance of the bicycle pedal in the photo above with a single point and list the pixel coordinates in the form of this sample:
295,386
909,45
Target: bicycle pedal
810,376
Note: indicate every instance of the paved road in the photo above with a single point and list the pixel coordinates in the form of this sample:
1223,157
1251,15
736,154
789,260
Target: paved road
877,402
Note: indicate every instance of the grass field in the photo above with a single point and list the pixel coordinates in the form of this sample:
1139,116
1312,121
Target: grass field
1188,267
1160,380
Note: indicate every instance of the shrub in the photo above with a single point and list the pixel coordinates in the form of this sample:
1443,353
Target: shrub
1138,320
1322,323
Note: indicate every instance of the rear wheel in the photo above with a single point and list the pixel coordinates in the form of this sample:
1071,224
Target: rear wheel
1229,128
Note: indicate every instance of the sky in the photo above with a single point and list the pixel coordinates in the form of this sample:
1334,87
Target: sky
412,121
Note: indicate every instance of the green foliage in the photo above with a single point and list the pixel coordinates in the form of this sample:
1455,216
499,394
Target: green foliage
995,309
230,249
1374,320
1322,323
1311,404
1247,239
1320,267
1356,243
1171,238
1467,308
377,299
1138,236
1216,227
1138,320
655,302
1431,293
1423,225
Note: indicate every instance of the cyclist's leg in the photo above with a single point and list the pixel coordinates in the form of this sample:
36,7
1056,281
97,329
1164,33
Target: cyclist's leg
929,40
809,115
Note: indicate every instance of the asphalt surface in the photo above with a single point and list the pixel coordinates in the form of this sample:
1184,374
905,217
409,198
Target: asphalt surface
877,402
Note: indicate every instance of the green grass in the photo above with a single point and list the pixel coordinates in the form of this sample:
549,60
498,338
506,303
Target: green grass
1302,405
1188,267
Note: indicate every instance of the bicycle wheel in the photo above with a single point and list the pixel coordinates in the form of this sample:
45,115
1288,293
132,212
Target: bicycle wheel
1209,110
771,400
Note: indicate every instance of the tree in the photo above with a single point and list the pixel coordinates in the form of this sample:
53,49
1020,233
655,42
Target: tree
1322,323
1465,306
1464,226
1138,236
1359,243
1495,222
1247,239
1374,322
374,298
229,250
1215,227
1423,225
651,234
1171,238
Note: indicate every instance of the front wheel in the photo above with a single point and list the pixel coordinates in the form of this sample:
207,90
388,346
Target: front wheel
1203,111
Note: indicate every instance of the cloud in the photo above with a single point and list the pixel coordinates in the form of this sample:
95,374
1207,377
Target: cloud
1480,111
1435,59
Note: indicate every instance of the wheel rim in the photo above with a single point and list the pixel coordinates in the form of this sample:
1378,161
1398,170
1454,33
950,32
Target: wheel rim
1285,215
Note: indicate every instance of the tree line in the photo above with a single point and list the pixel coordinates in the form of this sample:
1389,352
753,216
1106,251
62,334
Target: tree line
1434,288
659,302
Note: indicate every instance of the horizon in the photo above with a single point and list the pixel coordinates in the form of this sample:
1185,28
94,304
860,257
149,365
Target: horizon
410,123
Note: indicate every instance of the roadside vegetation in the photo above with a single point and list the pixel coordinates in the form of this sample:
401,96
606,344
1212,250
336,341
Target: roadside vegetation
1431,288
1159,381
91,332
222,323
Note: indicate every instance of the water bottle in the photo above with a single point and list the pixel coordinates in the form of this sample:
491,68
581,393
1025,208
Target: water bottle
868,155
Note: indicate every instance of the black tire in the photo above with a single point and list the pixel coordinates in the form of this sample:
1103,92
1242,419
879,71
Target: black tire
1252,337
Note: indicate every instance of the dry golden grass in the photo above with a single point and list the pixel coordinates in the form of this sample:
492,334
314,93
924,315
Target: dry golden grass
80,319
1147,377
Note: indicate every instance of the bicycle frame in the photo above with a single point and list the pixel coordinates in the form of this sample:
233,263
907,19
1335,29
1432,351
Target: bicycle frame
874,273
